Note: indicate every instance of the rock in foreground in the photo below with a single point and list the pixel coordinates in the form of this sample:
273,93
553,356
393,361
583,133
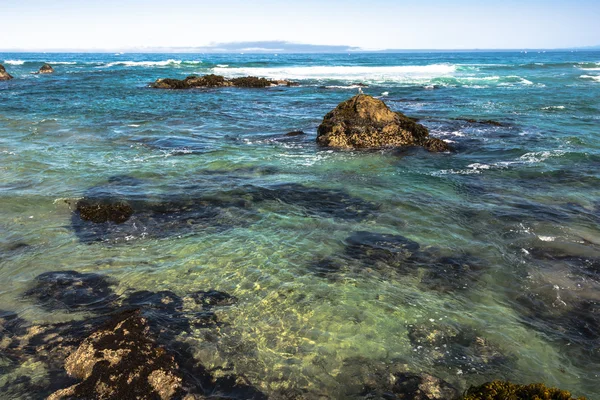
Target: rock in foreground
46,69
4,76
122,361
215,81
364,122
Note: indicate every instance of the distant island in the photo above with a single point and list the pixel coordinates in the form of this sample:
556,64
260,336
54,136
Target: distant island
279,46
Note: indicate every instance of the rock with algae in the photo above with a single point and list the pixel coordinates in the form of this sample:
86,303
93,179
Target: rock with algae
502,390
214,81
46,69
364,122
122,361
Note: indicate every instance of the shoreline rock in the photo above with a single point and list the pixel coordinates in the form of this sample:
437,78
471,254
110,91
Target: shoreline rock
364,122
4,76
215,81
46,69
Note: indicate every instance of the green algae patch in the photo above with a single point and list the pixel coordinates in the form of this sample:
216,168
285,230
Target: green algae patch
501,390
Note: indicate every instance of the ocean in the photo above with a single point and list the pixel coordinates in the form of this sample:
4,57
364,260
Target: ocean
503,276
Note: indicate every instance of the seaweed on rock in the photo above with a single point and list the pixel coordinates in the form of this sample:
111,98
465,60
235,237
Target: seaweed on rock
501,390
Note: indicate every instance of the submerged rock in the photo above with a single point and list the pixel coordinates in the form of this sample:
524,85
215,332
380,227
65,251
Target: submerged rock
4,76
501,390
311,200
122,361
72,291
380,247
457,347
364,122
212,81
46,69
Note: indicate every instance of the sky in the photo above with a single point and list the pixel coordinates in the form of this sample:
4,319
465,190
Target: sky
374,24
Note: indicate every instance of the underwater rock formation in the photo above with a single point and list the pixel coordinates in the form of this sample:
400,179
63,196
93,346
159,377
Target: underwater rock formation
380,247
458,347
71,291
364,122
310,200
501,390
4,76
130,348
46,69
214,81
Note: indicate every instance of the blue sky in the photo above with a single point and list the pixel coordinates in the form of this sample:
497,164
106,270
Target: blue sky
373,24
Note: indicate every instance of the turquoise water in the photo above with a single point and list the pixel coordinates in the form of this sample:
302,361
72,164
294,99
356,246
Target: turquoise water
507,225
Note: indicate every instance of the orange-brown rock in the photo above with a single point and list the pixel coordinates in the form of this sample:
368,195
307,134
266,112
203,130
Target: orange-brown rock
364,122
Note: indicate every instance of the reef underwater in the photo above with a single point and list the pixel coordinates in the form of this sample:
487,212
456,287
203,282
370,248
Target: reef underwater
327,226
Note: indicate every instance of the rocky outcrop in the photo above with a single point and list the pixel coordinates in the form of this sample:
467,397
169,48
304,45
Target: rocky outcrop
215,81
4,76
122,361
364,122
46,69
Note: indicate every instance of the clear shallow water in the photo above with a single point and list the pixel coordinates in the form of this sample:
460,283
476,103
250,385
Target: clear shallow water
269,219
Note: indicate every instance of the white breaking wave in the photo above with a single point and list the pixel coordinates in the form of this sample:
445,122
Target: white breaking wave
14,62
62,62
553,108
151,63
590,69
396,73
222,65
593,77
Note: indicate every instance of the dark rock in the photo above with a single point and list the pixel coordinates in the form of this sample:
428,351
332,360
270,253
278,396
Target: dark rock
72,291
482,122
372,247
364,122
212,81
121,360
46,69
4,76
119,210
100,211
295,133
501,390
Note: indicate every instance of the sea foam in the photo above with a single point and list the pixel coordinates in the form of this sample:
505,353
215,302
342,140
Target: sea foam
14,62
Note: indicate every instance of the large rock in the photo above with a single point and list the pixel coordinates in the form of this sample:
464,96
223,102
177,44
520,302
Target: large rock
364,122
213,81
46,69
4,76
122,361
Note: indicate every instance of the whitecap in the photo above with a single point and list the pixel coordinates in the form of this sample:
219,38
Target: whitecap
405,73
385,94
593,77
222,65
164,63
14,62
553,108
